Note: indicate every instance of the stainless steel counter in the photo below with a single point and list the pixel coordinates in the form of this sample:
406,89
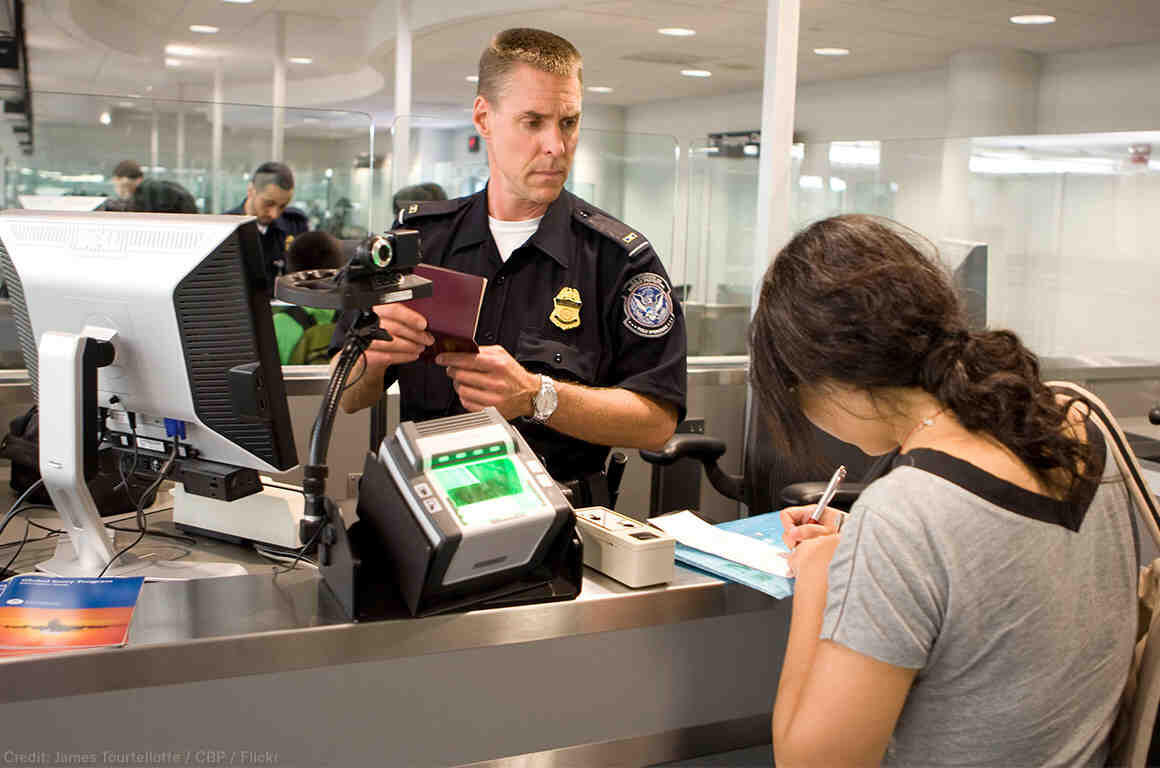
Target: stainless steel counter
264,663
267,623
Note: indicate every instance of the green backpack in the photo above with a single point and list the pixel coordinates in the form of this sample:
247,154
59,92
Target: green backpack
305,340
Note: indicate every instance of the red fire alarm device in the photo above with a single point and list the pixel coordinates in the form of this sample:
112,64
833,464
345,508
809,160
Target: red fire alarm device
473,143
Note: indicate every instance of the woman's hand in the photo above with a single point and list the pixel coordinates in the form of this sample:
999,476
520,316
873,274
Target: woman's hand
798,527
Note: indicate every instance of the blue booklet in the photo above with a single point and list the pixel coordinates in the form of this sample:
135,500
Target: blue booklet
766,528
50,613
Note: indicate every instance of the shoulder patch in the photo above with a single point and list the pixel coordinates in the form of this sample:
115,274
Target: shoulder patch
629,239
422,208
648,305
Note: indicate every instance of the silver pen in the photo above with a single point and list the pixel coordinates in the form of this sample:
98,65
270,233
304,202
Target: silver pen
828,495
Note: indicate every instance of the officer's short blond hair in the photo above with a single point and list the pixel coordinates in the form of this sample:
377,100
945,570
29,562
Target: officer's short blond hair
543,50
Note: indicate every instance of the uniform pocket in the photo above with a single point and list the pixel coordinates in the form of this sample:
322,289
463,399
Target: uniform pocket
556,358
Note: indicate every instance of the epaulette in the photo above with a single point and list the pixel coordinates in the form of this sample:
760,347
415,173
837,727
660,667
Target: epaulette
628,238
424,208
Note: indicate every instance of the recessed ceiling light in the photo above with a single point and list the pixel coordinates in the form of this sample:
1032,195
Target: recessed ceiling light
696,73
1033,18
600,89
832,51
173,49
204,29
301,60
472,78
239,2
105,118
677,31
173,62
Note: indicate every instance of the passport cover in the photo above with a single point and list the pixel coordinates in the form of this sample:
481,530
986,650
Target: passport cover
452,309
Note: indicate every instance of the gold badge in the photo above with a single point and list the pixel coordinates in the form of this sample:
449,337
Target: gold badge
566,314
630,237
413,208
289,239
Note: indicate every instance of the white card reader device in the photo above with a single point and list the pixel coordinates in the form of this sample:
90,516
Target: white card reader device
635,554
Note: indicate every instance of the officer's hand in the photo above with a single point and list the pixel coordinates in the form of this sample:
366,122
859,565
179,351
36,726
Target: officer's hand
491,377
409,337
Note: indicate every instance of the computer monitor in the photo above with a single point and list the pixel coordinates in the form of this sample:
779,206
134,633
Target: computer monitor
184,304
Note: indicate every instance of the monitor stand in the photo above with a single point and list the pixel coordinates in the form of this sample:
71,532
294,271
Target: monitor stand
68,364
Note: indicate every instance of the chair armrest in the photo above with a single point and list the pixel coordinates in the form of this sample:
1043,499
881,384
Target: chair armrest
700,447
799,494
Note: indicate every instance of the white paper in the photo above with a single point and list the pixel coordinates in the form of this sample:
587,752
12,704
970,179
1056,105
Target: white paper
694,532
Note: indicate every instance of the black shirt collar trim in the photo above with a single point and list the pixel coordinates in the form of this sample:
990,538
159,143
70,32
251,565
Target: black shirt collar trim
1011,497
552,237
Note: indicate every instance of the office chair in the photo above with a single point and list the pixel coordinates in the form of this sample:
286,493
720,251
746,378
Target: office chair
768,481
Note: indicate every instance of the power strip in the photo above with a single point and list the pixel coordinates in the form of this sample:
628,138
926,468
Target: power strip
635,554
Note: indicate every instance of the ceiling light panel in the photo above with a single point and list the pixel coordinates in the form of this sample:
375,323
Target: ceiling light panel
1033,18
696,73
174,49
832,51
204,29
599,89
301,60
677,31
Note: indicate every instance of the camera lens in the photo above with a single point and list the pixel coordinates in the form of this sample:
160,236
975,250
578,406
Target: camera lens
382,254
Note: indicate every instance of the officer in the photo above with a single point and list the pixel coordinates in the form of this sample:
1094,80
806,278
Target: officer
581,343
268,194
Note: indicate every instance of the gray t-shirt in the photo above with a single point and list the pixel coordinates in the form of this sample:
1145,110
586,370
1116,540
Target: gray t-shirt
1020,628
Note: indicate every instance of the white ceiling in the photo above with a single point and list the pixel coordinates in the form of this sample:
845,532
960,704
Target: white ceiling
117,46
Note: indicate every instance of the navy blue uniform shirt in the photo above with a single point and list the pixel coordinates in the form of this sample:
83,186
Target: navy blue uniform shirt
277,237
584,300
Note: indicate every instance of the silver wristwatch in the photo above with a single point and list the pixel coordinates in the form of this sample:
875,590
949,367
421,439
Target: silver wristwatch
545,401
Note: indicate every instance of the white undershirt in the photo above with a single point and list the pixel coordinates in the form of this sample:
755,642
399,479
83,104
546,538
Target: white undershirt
263,228
510,235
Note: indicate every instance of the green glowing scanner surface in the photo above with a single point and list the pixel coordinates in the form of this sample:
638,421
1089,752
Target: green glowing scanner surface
487,491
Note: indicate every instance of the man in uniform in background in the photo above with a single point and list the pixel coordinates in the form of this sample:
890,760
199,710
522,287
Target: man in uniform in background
268,194
581,343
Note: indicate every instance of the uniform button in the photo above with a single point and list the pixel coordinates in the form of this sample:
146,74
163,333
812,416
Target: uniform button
489,337
559,358
500,280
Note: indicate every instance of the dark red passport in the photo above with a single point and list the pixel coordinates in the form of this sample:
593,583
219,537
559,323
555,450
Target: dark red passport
452,309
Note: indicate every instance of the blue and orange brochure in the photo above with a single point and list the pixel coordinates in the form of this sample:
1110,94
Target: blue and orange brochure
46,613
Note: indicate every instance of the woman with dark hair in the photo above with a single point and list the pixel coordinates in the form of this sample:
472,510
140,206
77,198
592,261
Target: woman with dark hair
978,605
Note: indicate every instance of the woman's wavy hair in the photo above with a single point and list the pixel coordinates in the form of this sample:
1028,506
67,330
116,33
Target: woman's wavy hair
854,299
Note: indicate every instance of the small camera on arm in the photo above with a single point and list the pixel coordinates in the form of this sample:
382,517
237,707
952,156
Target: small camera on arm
383,258
361,274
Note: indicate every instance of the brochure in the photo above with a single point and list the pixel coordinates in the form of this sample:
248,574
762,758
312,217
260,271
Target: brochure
50,613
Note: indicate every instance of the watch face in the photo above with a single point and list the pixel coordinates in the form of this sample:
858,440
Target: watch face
546,400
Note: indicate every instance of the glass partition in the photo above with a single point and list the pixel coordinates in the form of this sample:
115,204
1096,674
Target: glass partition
1047,235
722,225
79,139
